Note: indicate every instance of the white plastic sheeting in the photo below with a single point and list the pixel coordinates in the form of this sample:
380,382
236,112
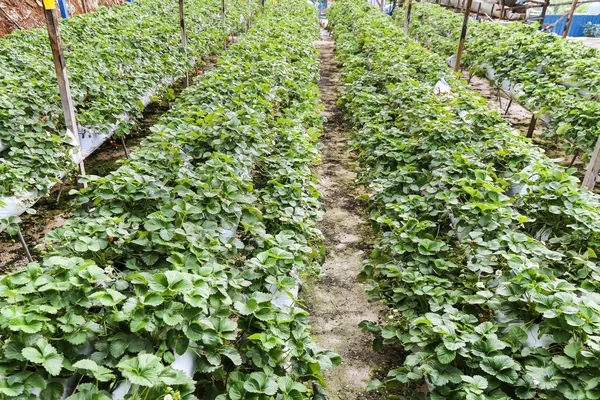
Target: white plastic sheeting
90,141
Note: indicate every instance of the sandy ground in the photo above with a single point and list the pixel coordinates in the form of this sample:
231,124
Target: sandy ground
337,302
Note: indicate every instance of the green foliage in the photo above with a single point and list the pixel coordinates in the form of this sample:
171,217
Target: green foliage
115,57
488,251
554,77
188,243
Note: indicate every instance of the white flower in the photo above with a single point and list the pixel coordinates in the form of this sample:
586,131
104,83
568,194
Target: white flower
109,270
390,316
480,285
498,272
395,310
168,397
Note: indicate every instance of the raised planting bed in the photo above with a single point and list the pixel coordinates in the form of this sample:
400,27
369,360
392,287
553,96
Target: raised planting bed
189,246
487,257
118,59
557,77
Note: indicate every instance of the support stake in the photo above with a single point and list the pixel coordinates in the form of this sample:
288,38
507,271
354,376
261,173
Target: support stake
591,173
569,18
223,10
62,187
125,147
463,35
408,12
543,16
83,7
509,104
531,126
22,240
183,44
61,74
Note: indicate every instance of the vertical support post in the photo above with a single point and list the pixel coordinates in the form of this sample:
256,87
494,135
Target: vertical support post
463,35
591,173
223,10
83,7
262,3
64,11
543,16
531,127
501,10
569,18
184,40
478,11
408,15
61,74
248,20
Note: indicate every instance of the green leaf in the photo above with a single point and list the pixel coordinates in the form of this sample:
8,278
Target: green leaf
46,355
142,370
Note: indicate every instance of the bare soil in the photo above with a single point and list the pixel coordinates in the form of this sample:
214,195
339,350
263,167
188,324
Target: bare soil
337,302
30,13
51,214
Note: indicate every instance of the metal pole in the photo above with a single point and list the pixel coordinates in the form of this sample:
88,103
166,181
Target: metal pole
569,18
22,240
64,11
223,10
408,12
463,35
125,148
61,74
183,43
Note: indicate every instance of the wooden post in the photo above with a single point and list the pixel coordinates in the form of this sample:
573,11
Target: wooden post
83,7
223,10
543,16
61,74
408,12
478,11
531,126
184,41
591,173
463,35
501,10
569,18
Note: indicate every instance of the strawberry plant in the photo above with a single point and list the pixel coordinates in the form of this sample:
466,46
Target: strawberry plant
191,248
553,77
487,255
115,57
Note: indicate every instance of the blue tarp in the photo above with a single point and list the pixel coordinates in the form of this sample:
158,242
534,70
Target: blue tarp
576,29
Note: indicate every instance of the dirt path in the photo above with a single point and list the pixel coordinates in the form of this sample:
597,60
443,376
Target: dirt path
337,302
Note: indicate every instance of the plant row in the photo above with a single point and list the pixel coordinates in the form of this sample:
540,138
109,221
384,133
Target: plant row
488,251
115,57
549,75
192,247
